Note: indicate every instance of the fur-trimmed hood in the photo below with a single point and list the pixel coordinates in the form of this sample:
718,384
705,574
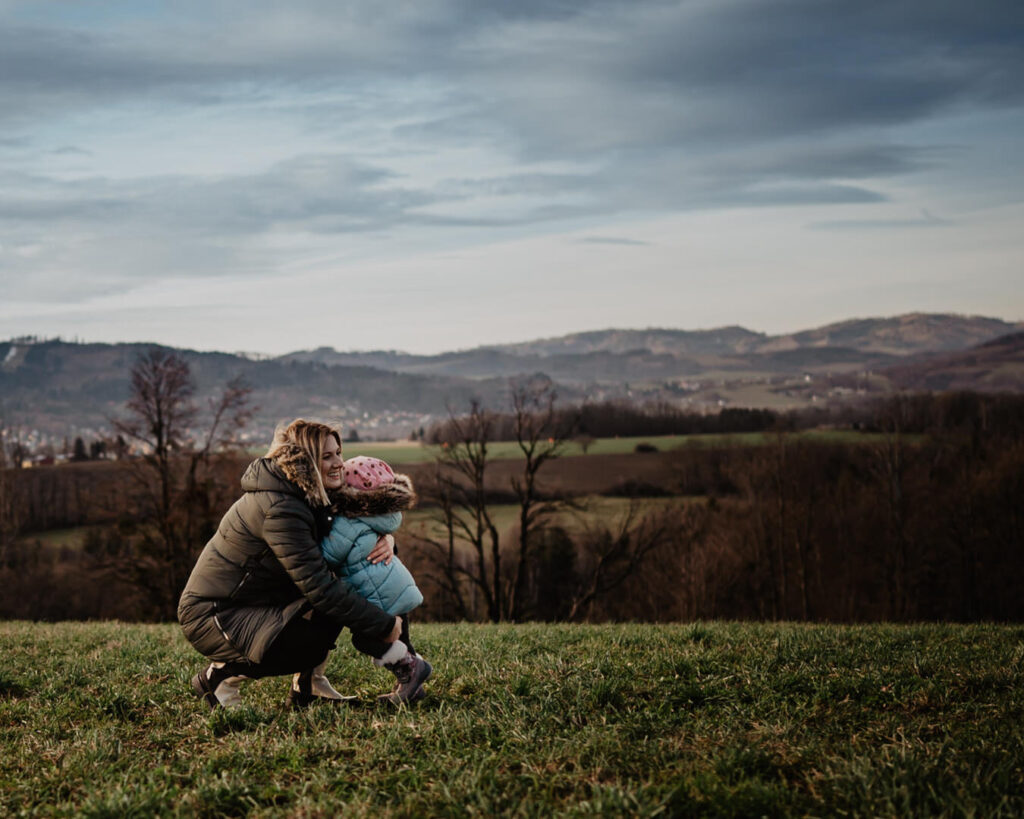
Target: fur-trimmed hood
360,503
289,466
301,471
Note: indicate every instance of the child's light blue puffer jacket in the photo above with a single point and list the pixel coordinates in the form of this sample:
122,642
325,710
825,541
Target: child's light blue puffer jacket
361,517
346,548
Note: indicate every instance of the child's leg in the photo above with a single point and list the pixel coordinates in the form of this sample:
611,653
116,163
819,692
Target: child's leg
404,636
401,659
384,652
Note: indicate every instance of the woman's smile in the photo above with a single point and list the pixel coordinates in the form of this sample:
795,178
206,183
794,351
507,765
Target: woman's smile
331,465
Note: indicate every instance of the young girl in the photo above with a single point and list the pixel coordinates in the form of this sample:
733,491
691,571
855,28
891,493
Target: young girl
369,504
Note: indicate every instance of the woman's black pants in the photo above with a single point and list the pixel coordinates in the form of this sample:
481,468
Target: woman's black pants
303,644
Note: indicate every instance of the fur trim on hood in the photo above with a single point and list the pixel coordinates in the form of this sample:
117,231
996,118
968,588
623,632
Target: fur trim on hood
364,503
297,468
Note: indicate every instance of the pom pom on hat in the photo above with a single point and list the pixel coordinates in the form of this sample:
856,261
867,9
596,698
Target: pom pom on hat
363,472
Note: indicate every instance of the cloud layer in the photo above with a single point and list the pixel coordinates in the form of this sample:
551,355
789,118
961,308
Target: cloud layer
230,138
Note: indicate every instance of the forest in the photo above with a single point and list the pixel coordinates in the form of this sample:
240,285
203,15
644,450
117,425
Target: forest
911,512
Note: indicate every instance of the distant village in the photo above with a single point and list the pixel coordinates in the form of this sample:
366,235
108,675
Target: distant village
26,447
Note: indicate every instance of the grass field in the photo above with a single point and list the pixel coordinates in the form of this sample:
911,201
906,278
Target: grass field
532,720
404,452
506,516
423,520
56,538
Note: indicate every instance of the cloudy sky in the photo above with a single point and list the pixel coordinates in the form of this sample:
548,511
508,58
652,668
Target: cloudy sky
430,175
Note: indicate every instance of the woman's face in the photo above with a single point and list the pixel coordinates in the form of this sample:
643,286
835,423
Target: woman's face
331,463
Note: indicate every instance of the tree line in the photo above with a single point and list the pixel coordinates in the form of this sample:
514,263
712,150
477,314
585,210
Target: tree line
922,522
608,419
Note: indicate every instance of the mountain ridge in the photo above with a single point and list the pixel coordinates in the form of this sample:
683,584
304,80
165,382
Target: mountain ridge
994,366
55,386
906,334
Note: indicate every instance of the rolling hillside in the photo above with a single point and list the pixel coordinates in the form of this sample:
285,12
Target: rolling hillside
65,389
995,366
611,356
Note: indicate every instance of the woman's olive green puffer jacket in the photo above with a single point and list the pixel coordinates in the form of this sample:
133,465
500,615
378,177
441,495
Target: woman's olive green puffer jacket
264,566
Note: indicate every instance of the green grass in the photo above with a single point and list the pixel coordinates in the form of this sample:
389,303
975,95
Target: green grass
506,516
404,452
815,436
56,538
674,720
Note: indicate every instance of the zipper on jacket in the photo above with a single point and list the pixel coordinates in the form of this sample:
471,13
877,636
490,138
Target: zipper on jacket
224,634
238,587
254,562
234,592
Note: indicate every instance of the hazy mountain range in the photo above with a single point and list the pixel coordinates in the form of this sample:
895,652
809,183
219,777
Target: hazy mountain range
62,388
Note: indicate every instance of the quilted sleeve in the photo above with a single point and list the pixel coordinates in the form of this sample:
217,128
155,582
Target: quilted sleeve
366,531
289,530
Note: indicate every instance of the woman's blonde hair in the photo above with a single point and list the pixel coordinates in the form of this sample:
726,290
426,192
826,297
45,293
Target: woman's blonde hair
309,437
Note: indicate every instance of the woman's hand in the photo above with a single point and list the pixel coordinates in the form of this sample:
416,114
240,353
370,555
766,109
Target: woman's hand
396,632
383,551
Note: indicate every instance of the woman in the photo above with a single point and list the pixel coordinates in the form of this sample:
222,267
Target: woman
261,601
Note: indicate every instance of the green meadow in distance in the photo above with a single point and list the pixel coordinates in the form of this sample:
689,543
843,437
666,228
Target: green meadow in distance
406,452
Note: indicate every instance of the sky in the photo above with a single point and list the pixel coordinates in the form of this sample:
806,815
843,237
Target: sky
432,175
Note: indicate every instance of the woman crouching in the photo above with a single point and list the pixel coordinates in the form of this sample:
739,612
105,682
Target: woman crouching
261,601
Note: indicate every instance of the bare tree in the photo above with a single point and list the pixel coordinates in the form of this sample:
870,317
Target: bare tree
585,442
611,555
890,465
173,474
472,562
451,569
541,434
462,496
161,412
13,450
10,509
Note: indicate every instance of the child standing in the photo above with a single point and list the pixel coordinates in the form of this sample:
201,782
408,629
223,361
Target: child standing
369,505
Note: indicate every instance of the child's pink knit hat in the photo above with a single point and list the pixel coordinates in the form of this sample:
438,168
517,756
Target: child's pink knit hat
363,472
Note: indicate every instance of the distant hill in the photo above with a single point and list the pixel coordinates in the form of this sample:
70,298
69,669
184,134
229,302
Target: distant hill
57,387
616,355
901,335
54,386
719,341
599,365
995,366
